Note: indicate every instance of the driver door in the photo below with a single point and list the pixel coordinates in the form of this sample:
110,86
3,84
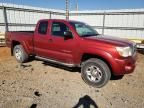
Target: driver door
63,50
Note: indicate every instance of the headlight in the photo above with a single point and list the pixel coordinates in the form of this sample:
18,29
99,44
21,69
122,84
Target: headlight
124,51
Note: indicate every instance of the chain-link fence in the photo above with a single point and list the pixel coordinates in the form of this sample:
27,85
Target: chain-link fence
23,18
17,18
120,23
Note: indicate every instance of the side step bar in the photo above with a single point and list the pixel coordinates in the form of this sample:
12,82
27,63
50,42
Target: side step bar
56,62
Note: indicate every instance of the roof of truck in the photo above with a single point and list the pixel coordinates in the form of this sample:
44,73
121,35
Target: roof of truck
63,20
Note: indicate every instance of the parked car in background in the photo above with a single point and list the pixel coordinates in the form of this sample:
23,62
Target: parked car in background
2,39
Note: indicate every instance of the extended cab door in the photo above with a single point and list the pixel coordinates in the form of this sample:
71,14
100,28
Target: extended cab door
41,39
63,50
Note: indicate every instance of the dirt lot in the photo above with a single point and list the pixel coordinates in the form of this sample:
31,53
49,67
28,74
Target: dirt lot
37,84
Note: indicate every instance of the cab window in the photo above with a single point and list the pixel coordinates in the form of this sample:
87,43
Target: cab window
42,29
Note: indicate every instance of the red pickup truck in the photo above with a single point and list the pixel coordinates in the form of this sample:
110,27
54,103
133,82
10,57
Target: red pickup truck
75,44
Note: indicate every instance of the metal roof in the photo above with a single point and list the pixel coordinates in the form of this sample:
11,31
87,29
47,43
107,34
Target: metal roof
30,7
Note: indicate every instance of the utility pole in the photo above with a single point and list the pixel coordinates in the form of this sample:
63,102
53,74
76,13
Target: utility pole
77,7
67,9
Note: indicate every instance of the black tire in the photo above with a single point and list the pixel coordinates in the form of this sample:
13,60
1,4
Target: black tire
97,68
22,56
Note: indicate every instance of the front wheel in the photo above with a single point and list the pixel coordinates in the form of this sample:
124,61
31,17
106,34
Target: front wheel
20,54
95,72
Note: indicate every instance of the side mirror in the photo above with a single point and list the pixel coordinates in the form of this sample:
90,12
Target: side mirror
68,35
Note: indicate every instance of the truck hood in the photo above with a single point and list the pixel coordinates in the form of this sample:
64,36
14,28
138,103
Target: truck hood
109,40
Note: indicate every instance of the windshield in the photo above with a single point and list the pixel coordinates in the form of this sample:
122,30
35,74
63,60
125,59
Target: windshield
83,29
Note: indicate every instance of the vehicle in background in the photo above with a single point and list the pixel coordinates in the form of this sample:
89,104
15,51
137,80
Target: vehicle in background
75,44
140,43
2,39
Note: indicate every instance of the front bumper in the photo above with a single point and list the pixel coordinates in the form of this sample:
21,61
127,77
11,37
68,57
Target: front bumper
125,65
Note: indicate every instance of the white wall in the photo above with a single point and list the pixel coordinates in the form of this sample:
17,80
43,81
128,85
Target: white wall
2,28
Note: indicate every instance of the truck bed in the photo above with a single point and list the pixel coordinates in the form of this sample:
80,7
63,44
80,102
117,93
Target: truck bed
23,37
24,31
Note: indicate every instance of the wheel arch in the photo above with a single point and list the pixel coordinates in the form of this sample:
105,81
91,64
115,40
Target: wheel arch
87,56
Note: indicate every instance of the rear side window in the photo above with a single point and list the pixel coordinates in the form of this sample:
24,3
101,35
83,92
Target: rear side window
42,29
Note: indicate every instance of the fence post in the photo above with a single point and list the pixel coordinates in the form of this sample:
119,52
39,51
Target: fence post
5,19
103,23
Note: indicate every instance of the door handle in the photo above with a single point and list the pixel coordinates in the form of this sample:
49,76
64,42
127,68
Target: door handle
50,40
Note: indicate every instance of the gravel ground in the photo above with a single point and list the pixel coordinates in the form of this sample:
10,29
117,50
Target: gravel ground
37,84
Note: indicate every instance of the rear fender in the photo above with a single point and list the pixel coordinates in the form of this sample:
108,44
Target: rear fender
25,46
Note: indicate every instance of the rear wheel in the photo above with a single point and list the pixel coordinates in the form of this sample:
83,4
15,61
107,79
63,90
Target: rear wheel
95,72
20,54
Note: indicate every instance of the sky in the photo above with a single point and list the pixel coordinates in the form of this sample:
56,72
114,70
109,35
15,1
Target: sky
82,4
